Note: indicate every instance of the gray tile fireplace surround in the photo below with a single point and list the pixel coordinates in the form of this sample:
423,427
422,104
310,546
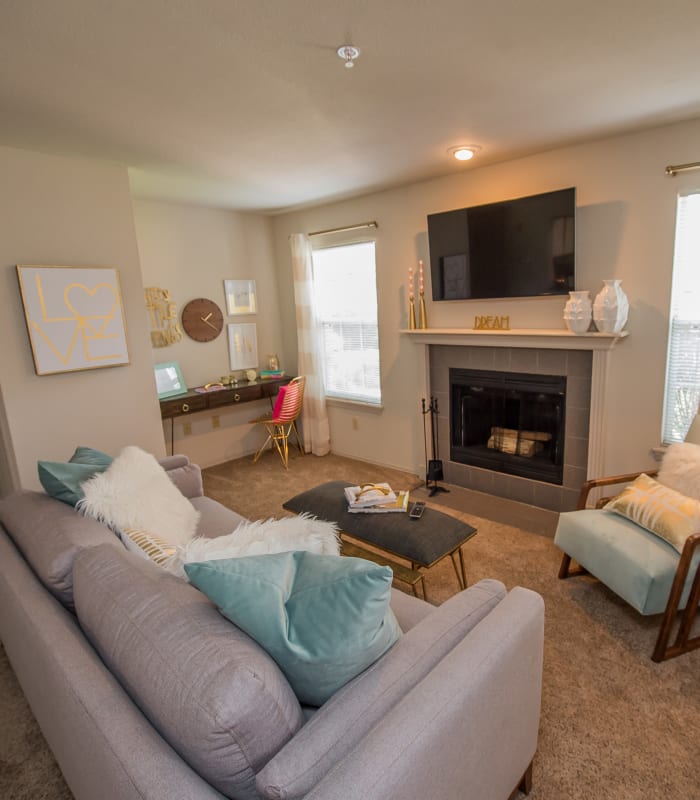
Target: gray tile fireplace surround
576,365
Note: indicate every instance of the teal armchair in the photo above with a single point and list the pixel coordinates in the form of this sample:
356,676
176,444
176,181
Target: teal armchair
640,567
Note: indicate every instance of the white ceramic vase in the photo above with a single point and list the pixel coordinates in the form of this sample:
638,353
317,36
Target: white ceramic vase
610,308
578,311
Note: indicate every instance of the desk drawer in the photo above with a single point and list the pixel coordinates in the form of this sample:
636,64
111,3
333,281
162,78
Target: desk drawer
182,405
230,397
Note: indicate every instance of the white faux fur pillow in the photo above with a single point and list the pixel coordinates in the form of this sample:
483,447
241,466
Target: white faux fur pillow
680,469
136,492
304,532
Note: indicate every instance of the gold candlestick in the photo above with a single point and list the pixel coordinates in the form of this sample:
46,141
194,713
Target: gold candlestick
423,315
411,315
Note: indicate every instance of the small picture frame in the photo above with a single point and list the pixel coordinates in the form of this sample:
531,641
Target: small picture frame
169,380
243,346
241,297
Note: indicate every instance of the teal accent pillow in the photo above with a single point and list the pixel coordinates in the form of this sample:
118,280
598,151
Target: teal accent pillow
88,455
323,619
63,480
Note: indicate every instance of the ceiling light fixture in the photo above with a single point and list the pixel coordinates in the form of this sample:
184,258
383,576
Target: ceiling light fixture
464,152
349,54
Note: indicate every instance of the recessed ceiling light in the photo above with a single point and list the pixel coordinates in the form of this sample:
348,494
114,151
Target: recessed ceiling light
464,152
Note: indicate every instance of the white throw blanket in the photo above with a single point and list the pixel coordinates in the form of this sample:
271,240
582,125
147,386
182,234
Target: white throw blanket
304,532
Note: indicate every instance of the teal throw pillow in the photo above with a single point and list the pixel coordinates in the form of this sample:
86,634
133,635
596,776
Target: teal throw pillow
88,455
323,619
63,480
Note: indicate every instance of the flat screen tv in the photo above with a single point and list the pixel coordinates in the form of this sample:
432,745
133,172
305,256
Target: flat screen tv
517,248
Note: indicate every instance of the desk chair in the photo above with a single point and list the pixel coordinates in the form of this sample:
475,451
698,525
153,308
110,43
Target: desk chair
282,421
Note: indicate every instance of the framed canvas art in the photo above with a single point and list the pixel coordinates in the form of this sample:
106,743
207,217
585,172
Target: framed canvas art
74,317
241,297
243,346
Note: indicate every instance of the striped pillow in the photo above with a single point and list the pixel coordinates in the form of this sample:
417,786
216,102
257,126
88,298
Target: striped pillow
662,511
147,544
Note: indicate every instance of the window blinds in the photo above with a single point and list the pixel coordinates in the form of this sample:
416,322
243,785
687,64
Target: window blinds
682,393
345,294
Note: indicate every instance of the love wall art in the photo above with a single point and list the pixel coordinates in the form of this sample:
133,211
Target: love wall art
74,316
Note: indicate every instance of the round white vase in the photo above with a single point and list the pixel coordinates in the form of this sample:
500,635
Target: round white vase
578,311
610,308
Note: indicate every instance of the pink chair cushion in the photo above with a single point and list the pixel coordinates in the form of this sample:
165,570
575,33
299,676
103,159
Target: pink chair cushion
278,402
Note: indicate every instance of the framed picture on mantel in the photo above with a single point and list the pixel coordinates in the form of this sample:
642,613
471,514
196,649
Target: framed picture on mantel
240,297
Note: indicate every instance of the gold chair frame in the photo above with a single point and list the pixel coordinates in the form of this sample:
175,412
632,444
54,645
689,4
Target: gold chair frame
279,428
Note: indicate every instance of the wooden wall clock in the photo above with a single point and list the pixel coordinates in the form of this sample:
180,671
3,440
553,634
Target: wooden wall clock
202,320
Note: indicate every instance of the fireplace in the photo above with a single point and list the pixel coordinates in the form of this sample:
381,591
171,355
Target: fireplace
510,422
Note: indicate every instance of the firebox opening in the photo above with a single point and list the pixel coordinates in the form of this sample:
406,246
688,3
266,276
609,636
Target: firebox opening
508,422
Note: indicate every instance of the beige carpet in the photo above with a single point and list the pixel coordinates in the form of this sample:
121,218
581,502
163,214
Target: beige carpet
615,726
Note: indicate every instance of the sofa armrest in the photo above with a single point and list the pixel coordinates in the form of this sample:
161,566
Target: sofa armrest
469,727
185,475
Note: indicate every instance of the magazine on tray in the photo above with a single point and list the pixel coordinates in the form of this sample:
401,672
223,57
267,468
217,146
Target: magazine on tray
369,494
400,504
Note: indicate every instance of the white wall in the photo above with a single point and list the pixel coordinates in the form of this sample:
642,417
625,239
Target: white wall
191,250
69,212
625,229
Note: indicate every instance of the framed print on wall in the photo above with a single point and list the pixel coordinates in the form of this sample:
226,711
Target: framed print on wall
243,346
240,297
74,317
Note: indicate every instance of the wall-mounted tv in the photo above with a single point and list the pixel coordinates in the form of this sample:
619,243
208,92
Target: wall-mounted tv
517,248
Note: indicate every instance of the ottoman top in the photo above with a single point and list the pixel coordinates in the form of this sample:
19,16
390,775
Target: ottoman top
424,541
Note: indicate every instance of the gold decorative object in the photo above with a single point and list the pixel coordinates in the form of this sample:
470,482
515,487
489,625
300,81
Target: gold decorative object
163,313
411,315
423,318
491,323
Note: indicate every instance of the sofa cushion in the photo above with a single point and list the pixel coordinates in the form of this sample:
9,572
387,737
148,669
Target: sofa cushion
663,511
215,519
211,691
63,480
337,727
50,534
637,565
136,492
322,618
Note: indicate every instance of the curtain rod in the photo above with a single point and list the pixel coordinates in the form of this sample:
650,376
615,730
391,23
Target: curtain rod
357,227
674,169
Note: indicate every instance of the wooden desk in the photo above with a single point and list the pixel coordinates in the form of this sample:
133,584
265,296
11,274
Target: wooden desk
192,401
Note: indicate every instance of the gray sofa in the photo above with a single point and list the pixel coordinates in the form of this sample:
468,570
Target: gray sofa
143,690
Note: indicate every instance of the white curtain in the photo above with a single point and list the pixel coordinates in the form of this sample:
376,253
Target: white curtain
316,432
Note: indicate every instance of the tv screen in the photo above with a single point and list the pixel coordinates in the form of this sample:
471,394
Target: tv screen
517,248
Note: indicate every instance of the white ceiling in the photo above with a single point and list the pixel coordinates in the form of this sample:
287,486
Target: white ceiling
245,103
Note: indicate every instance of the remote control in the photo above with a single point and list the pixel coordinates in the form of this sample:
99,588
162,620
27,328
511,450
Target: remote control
417,511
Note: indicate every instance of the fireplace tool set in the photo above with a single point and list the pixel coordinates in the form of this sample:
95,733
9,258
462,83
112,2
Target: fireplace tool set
433,466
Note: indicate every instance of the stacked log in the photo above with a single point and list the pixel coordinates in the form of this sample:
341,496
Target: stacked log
514,442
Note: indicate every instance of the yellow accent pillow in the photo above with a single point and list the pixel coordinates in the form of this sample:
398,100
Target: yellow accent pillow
663,511
155,547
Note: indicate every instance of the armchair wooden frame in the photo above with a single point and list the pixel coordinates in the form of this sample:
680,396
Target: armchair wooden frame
683,642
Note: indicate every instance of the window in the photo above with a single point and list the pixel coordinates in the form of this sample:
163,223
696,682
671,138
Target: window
345,295
683,362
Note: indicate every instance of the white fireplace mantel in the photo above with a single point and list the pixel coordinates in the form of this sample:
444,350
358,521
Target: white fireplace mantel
546,338
542,338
